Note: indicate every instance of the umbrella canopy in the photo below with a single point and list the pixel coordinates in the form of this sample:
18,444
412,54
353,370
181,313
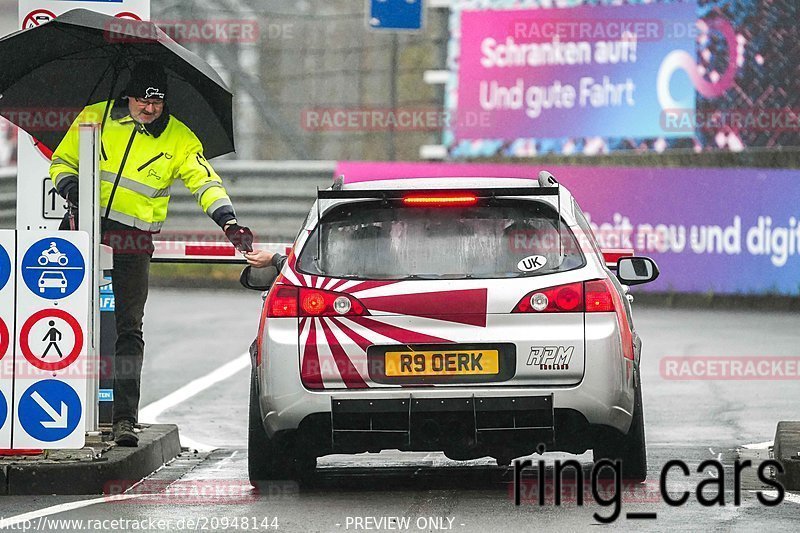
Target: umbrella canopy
82,57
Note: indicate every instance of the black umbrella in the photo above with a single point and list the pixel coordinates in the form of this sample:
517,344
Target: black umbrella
83,57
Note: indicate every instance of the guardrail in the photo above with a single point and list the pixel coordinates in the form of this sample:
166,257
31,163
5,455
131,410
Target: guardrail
271,197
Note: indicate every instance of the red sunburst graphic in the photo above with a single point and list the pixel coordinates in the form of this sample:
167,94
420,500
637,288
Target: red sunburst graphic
334,349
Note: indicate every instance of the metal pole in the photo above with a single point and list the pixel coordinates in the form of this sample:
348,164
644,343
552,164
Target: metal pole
393,75
89,221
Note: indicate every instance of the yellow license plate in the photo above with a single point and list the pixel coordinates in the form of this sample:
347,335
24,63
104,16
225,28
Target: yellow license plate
442,363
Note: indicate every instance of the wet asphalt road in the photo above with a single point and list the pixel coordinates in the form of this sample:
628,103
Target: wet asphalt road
190,333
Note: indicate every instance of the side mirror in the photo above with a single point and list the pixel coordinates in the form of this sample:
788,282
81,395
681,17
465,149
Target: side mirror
258,279
636,270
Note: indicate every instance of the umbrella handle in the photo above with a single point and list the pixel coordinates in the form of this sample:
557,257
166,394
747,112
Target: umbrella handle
72,218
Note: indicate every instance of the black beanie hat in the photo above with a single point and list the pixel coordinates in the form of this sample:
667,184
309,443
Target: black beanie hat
148,80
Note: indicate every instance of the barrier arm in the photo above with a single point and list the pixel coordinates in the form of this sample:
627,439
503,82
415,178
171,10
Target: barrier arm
205,252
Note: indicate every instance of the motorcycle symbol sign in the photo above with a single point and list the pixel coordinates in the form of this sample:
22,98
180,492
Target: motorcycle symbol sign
53,268
52,255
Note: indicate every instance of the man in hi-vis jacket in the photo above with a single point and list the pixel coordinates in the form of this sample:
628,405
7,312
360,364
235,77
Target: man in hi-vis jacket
143,150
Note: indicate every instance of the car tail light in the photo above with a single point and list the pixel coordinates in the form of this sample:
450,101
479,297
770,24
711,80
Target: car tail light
602,296
440,200
282,302
561,299
315,302
285,301
599,296
594,296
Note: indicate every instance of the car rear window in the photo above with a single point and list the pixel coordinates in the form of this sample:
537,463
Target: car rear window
373,240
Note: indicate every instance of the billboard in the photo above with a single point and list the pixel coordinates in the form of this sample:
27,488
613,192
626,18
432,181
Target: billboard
726,231
590,79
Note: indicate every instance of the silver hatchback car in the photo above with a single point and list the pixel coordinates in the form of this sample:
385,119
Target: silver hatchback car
473,316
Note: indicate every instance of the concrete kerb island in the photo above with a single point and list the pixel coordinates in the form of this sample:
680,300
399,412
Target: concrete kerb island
98,468
787,451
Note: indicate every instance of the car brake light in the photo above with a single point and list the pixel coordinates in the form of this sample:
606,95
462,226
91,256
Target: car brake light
285,301
441,200
282,302
561,299
598,297
602,296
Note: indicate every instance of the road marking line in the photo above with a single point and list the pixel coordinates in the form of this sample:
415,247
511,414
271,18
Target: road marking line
64,507
758,445
151,412
787,496
223,464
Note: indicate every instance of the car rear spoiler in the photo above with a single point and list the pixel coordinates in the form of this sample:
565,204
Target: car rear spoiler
398,194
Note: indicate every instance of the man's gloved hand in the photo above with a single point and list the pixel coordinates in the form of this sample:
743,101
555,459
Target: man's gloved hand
240,236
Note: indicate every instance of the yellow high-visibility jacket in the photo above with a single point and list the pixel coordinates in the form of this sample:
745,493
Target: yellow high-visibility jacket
158,154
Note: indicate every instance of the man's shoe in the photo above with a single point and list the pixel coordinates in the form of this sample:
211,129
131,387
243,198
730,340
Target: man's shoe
124,434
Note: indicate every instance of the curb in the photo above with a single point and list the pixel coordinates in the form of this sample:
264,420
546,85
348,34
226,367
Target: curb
787,451
158,444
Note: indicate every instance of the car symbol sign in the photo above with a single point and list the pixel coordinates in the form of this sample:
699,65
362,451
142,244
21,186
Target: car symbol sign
53,268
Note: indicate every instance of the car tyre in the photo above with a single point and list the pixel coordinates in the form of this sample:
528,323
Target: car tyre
267,460
630,449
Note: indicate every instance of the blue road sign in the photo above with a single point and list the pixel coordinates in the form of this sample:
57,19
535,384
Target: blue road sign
49,410
5,267
53,268
3,409
107,303
395,14
108,288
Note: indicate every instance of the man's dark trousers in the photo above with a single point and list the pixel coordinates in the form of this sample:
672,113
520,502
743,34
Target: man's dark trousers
133,250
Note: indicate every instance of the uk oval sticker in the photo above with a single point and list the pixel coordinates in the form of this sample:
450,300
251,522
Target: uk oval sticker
532,263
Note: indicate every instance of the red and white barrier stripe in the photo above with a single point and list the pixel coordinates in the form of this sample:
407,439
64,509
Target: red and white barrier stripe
613,255
208,252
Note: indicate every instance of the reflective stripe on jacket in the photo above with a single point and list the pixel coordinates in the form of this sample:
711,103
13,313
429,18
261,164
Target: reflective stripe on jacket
154,162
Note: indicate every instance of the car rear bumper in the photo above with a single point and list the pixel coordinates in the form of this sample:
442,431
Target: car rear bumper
603,397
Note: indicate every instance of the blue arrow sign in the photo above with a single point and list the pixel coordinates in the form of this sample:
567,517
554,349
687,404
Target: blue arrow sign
5,267
395,14
49,410
53,268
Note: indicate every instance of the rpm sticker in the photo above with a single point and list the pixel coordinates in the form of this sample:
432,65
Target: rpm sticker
532,263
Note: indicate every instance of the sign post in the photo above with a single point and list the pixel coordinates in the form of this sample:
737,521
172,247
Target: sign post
89,222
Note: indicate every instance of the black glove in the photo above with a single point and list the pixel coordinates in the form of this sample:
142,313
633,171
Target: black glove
240,236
